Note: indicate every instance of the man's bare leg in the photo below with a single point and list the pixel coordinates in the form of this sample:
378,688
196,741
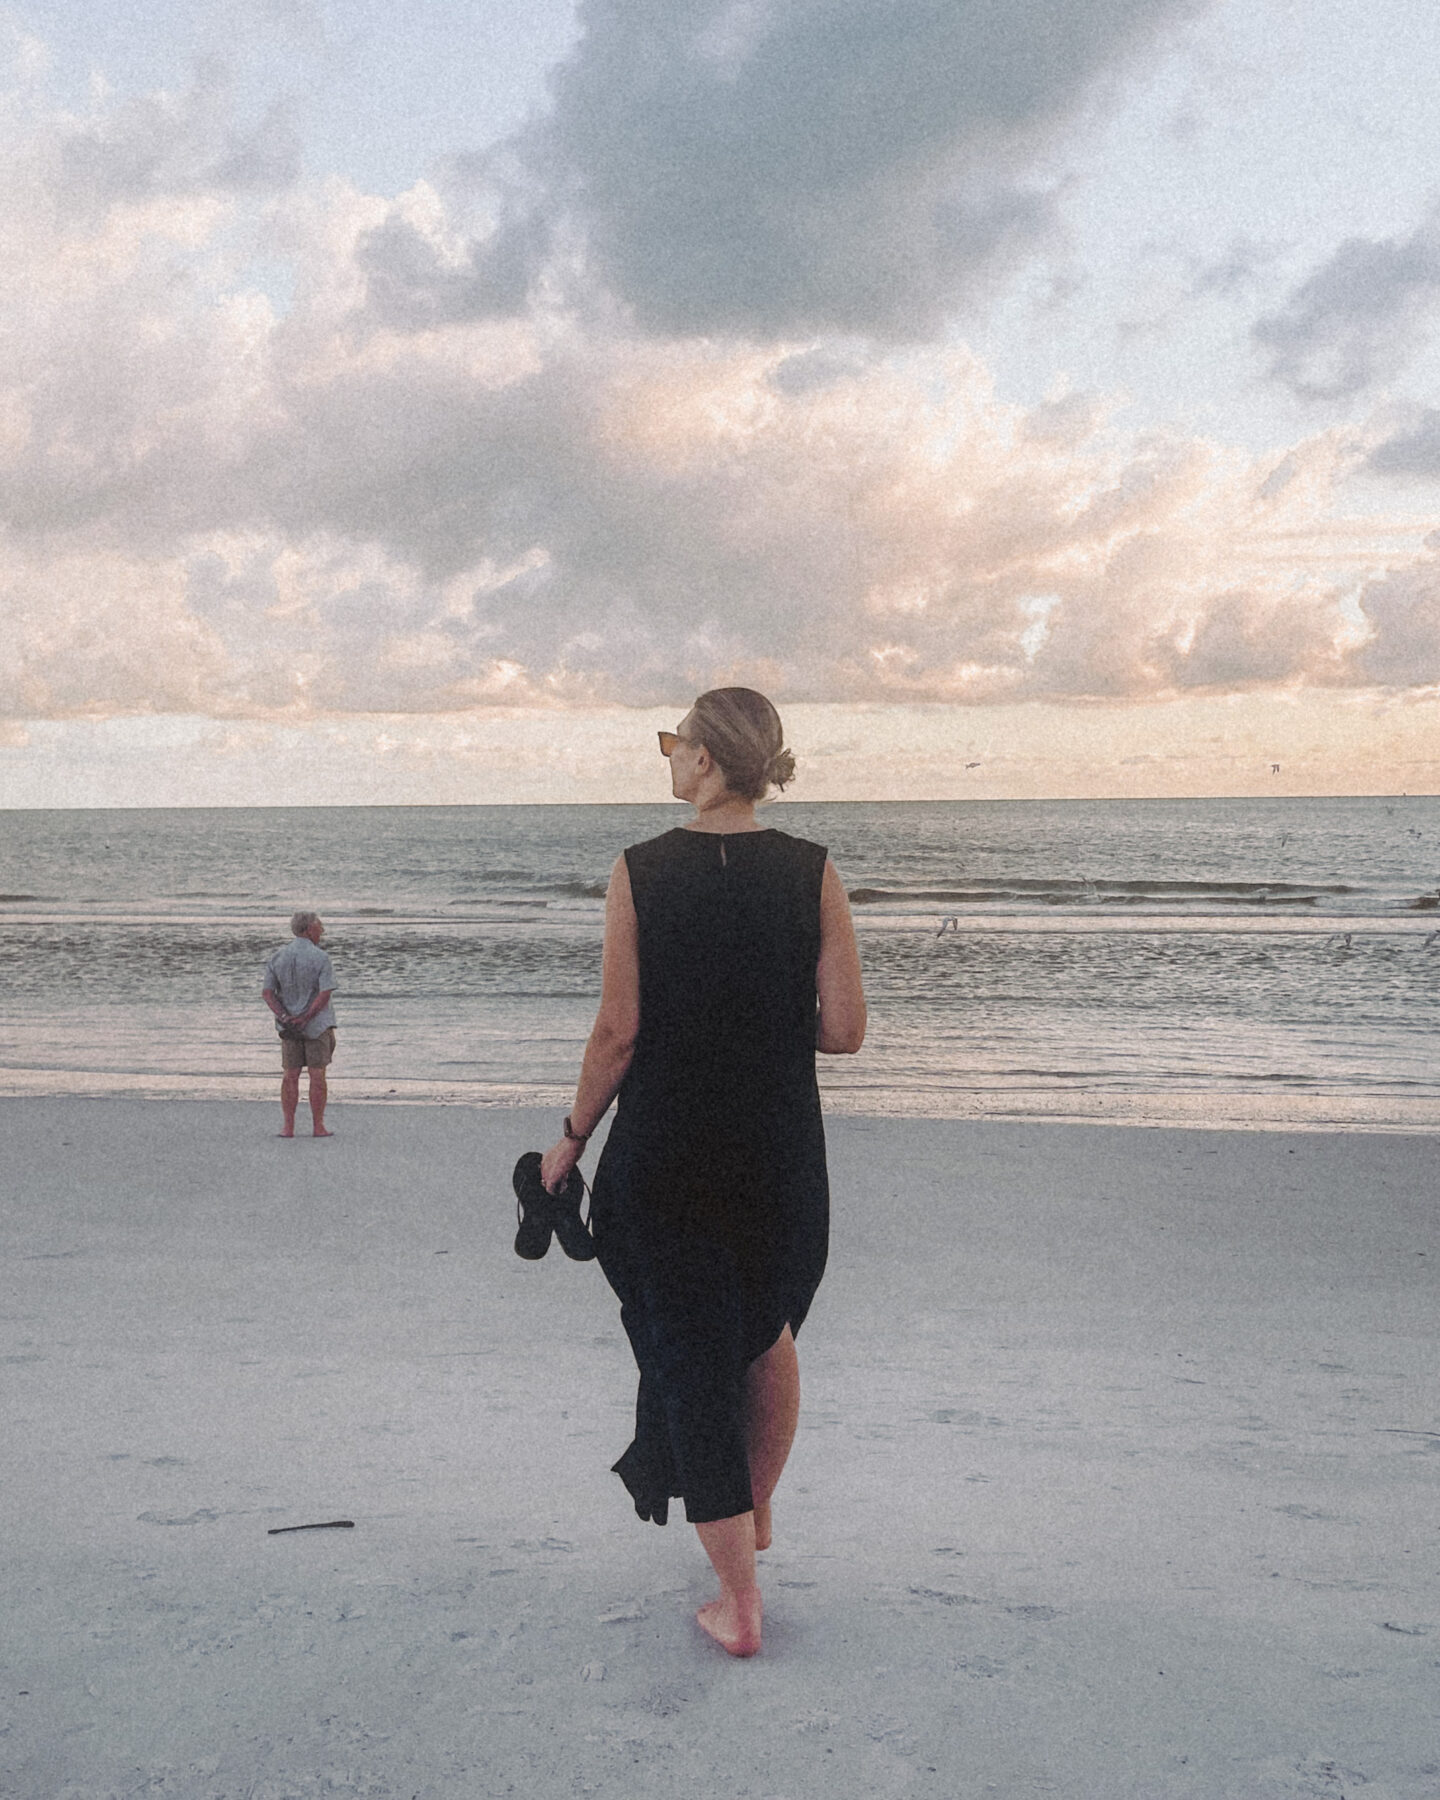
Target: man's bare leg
289,1100
734,1619
319,1090
772,1411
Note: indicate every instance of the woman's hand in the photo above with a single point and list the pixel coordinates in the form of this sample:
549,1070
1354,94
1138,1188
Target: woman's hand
558,1161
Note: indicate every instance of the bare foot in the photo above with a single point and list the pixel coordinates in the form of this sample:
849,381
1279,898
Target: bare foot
320,1131
733,1621
763,1530
289,1131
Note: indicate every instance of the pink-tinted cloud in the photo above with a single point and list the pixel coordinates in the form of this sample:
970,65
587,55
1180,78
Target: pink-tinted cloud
215,503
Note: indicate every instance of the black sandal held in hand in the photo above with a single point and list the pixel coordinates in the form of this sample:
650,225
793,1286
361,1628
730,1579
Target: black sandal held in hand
540,1212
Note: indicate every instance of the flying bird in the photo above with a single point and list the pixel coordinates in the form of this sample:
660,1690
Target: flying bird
972,765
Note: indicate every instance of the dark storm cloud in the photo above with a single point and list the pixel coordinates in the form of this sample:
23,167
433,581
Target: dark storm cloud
1357,320
772,168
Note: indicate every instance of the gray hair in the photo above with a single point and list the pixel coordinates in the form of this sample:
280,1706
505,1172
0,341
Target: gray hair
301,922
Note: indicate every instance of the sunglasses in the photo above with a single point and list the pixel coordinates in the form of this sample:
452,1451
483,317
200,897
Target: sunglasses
668,741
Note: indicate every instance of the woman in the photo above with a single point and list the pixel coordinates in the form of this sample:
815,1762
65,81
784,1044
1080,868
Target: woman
729,959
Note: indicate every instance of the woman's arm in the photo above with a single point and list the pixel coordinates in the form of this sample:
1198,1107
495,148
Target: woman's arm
837,976
612,1039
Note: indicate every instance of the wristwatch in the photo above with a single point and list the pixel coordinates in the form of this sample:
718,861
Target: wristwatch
575,1137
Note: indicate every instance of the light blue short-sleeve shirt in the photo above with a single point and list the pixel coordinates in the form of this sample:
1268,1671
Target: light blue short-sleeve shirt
296,973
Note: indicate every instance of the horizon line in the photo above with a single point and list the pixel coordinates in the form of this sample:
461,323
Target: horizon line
512,805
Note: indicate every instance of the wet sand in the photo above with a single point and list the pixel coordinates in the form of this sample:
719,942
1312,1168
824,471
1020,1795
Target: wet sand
1116,1475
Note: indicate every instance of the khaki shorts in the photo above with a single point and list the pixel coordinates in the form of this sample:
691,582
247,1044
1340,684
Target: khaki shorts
313,1053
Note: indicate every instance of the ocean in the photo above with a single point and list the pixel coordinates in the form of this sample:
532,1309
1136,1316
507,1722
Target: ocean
1214,960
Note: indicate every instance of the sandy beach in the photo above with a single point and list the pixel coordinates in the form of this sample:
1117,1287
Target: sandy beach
1116,1475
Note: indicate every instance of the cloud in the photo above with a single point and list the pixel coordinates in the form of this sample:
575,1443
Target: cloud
101,633
507,512
782,168
419,490
1233,274
417,279
170,145
1403,610
1357,320
1414,451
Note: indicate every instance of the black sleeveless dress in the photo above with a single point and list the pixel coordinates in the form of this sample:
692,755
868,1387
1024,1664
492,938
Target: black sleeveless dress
711,1202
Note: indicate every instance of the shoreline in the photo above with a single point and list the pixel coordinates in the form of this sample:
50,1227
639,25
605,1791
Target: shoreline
1298,1112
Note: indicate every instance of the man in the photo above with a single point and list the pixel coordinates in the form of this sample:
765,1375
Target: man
298,984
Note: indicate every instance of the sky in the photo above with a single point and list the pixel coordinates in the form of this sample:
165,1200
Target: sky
423,402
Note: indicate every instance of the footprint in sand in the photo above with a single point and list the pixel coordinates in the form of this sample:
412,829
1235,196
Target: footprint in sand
666,1701
945,1596
815,1722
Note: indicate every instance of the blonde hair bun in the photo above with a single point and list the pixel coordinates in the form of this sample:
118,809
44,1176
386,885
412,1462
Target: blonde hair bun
742,731
782,769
